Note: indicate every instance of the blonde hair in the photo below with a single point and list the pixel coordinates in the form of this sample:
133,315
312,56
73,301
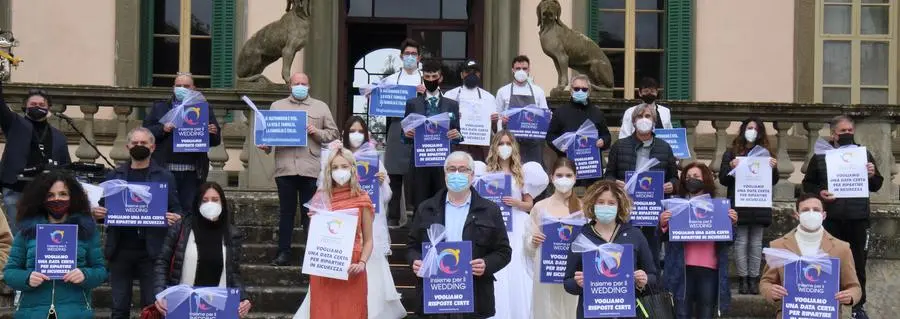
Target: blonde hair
593,193
515,165
328,183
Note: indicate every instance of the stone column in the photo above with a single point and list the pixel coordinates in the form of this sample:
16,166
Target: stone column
721,146
501,41
119,154
691,128
784,189
244,175
874,132
218,156
812,135
85,152
321,54
258,166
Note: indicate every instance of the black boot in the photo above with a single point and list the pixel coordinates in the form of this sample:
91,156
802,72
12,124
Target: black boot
744,285
754,285
282,259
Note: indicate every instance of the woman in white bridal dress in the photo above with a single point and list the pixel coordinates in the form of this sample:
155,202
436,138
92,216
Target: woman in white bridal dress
551,301
383,299
512,288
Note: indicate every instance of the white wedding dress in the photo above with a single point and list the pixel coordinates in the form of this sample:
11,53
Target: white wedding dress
383,299
551,301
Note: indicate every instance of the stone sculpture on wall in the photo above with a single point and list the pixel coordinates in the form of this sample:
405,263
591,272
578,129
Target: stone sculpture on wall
7,59
279,39
571,49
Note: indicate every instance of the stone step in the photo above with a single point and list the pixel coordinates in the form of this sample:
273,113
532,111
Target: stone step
290,276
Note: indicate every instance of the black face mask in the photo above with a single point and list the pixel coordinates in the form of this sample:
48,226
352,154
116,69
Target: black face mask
431,86
693,185
471,81
648,98
36,113
139,152
845,139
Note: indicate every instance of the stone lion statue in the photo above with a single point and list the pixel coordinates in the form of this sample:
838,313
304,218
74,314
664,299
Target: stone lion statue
571,49
279,39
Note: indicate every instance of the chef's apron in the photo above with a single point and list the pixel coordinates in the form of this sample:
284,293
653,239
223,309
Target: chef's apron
532,150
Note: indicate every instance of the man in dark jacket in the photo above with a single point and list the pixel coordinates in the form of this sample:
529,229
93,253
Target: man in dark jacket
190,169
848,218
570,116
466,217
429,180
632,152
132,251
36,145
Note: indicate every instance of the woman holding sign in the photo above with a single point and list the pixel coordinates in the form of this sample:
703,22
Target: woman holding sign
511,289
334,298
203,249
608,209
752,221
56,201
697,271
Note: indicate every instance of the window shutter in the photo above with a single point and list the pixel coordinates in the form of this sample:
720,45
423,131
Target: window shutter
145,51
593,13
679,49
223,44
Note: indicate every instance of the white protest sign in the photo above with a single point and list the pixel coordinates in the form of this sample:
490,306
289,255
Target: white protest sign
753,182
847,174
330,244
475,122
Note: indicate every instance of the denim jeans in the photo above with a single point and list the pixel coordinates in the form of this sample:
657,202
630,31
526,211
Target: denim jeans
701,291
748,249
10,200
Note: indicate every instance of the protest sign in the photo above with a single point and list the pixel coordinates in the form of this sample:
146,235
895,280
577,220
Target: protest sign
555,250
283,128
475,122
811,290
390,100
431,145
702,222
753,183
330,243
847,174
192,136
127,208
56,249
450,289
494,187
586,155
367,166
646,199
609,282
677,139
529,122
206,303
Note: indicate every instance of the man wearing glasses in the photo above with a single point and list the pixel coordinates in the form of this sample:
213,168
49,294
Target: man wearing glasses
520,93
466,217
190,169
569,117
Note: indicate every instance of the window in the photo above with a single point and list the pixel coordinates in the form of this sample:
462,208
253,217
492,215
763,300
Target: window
631,34
169,49
856,47
419,9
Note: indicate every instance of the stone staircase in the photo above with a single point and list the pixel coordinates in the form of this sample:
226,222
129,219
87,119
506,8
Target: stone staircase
277,292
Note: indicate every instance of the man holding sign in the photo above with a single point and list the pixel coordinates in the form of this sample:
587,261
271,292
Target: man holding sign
466,216
848,218
570,116
475,107
191,167
132,250
297,168
429,180
808,240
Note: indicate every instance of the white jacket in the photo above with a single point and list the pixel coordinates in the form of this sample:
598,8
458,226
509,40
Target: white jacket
628,128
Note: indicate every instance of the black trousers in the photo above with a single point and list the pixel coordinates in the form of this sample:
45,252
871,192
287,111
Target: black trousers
654,241
188,185
291,191
426,181
701,290
395,206
124,268
856,233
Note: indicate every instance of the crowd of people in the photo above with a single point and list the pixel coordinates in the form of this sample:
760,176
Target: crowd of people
202,247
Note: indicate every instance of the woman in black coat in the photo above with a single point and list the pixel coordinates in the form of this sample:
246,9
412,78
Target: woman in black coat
752,221
192,253
608,209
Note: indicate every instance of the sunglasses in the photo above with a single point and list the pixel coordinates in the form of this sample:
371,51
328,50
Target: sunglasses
580,89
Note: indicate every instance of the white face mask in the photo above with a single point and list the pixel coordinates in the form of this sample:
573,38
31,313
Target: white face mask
505,151
644,125
563,184
211,210
750,135
340,176
356,139
811,220
520,75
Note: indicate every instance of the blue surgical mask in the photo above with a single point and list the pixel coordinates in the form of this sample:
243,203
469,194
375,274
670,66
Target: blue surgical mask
580,97
409,62
457,182
300,92
605,214
181,93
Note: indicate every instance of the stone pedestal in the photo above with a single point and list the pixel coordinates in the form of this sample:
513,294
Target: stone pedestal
875,134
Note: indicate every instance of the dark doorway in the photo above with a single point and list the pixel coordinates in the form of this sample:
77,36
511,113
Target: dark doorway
449,30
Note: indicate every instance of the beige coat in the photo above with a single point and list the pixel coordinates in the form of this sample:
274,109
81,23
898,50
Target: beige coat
6,239
305,161
830,245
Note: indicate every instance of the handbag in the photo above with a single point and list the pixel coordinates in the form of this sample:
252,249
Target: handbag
655,303
150,312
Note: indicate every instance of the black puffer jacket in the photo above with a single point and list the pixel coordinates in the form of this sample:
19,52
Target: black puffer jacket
816,180
752,216
171,258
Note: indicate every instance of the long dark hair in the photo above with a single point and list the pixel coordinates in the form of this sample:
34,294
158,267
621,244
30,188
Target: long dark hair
709,182
345,136
34,197
739,145
199,200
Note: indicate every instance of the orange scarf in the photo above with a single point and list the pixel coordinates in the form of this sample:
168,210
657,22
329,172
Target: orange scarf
341,198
